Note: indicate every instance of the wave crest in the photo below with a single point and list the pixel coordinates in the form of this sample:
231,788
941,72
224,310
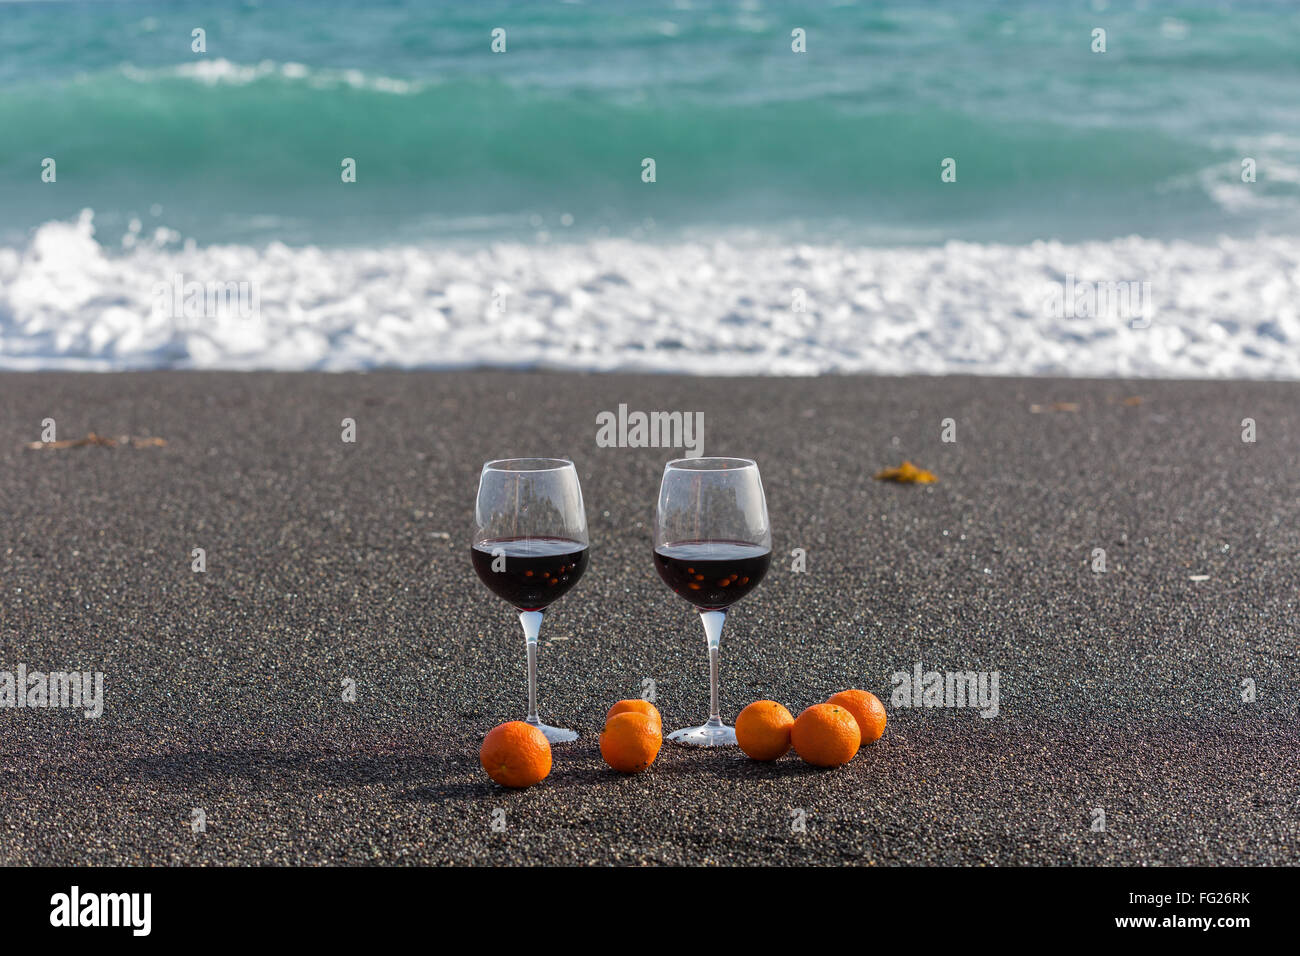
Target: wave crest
1227,309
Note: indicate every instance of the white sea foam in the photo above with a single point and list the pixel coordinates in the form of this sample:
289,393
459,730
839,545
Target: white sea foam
222,72
1229,309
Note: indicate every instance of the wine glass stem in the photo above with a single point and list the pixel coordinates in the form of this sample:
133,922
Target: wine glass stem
713,621
532,623
713,683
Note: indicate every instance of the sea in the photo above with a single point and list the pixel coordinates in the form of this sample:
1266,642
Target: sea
749,187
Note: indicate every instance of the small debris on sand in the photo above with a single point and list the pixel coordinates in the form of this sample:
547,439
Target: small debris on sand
134,441
907,474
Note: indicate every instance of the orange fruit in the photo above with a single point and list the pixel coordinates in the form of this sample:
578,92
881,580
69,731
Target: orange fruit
634,706
631,742
763,730
866,709
516,754
826,735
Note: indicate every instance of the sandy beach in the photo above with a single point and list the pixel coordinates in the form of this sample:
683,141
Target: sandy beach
329,562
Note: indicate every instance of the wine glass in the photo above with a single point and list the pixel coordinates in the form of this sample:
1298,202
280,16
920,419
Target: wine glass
713,545
530,547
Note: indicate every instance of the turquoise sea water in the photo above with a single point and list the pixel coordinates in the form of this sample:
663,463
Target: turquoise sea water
798,223
243,143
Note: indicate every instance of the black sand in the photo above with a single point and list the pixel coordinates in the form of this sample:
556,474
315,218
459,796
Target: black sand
326,561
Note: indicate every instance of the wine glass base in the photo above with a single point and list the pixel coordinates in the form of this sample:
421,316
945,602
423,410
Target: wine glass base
712,734
555,735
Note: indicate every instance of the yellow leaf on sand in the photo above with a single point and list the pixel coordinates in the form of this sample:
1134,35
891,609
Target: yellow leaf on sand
908,474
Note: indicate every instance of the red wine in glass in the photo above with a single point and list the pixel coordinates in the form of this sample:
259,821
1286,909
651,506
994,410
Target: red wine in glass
712,574
530,573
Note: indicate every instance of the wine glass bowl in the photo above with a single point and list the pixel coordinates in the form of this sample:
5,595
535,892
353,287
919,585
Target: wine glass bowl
530,547
713,545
